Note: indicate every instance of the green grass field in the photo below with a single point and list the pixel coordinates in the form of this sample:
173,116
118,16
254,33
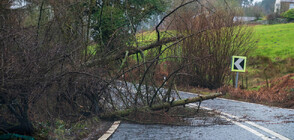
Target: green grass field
149,37
275,41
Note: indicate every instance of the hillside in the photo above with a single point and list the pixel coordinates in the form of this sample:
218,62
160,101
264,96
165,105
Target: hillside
275,41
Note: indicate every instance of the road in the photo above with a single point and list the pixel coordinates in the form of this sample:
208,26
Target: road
248,121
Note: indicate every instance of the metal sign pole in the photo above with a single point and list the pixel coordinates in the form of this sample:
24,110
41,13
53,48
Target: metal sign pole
237,76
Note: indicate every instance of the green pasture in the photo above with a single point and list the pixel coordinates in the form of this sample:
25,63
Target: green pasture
275,41
146,38
142,39
149,37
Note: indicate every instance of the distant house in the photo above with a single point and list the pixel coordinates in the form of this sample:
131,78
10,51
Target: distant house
283,5
244,19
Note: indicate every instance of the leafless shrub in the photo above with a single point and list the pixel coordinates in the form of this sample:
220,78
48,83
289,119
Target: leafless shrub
42,77
48,73
222,39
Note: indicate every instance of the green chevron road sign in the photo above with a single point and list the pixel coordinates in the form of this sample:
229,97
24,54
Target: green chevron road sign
238,64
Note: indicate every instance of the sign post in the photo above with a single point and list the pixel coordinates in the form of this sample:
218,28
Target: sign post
238,65
237,77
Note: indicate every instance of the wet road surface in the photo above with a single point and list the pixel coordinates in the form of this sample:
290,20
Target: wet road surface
248,122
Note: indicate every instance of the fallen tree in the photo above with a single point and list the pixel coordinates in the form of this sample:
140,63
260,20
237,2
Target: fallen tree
165,105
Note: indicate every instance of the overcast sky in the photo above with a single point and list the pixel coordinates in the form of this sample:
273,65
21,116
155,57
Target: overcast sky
257,0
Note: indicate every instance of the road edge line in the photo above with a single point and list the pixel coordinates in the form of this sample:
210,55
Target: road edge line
267,130
257,126
110,131
273,133
247,128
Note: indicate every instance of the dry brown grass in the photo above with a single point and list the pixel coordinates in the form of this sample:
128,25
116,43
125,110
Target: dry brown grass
280,93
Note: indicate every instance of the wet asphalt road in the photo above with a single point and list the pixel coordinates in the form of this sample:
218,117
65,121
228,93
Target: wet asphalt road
249,122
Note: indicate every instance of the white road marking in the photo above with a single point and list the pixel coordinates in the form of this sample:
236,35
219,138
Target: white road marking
257,126
237,123
267,130
110,131
247,128
226,115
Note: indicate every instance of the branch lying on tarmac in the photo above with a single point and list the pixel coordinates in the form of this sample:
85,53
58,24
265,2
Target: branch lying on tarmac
166,105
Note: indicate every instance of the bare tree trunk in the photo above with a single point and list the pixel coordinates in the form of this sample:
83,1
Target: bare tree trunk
122,113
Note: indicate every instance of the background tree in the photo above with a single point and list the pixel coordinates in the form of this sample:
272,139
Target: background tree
254,11
268,6
112,18
289,14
